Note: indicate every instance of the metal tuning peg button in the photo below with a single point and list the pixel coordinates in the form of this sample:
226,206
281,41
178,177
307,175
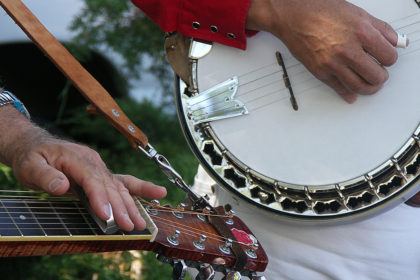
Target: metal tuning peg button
199,244
179,271
230,221
252,251
233,275
178,213
155,203
173,239
206,210
152,209
225,248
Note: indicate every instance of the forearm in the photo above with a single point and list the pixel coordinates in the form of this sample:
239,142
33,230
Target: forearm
17,133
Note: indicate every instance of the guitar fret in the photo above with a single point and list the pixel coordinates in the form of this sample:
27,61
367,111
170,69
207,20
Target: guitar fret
86,220
23,218
11,218
60,219
32,214
74,224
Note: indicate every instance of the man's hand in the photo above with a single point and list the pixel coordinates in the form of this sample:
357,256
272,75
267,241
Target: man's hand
341,44
41,161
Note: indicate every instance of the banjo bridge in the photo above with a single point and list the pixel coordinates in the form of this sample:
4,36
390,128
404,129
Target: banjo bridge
216,103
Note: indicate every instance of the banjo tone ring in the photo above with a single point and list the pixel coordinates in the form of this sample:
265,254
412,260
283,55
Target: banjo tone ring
389,180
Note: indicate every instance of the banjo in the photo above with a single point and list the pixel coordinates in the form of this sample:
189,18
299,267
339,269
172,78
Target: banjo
328,161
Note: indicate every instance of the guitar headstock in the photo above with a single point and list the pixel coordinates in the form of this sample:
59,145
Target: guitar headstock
187,238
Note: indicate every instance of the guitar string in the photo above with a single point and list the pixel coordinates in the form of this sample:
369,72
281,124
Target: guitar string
169,209
194,232
296,76
170,225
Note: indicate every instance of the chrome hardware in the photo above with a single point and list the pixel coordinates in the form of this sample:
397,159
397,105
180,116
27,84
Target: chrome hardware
155,202
131,128
109,226
233,275
173,176
254,276
230,220
206,210
199,49
199,244
173,239
178,213
225,248
115,112
151,210
252,251
216,103
201,217
179,270
205,272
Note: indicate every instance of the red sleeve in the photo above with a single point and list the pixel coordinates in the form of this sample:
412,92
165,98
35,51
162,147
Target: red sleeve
221,21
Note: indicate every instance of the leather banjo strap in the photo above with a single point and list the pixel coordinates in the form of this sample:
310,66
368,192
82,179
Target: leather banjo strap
90,88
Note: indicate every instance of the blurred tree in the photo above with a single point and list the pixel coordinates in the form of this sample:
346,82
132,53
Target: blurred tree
122,28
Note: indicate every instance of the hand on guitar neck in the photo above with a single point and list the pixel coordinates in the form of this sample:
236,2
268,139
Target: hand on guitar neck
340,43
42,161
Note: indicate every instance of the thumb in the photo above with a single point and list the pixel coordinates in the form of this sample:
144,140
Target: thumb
38,173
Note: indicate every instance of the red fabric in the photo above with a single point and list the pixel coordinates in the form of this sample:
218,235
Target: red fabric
179,15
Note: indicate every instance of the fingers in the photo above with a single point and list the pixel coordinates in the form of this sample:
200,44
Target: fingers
103,188
142,188
337,86
381,42
36,172
49,165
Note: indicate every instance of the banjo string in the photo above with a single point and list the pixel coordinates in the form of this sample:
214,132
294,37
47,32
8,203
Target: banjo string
284,92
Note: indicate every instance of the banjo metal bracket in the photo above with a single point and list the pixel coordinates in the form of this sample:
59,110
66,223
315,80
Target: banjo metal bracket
216,103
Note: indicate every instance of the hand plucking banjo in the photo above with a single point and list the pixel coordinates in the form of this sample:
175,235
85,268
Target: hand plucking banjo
325,161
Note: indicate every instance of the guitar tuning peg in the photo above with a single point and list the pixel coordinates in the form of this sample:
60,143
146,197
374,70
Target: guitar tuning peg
180,208
199,244
230,221
179,271
232,275
206,210
205,272
225,248
173,239
252,251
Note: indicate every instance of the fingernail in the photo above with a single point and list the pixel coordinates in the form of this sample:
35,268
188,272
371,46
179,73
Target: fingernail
107,210
128,220
55,184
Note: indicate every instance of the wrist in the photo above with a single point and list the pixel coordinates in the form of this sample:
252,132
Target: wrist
17,133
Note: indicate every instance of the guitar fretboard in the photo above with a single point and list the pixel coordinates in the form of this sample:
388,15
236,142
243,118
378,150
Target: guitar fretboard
27,214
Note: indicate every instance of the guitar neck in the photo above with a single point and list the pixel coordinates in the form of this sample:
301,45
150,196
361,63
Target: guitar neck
32,225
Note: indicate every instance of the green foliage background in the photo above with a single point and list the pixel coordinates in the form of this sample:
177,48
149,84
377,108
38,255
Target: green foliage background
118,26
